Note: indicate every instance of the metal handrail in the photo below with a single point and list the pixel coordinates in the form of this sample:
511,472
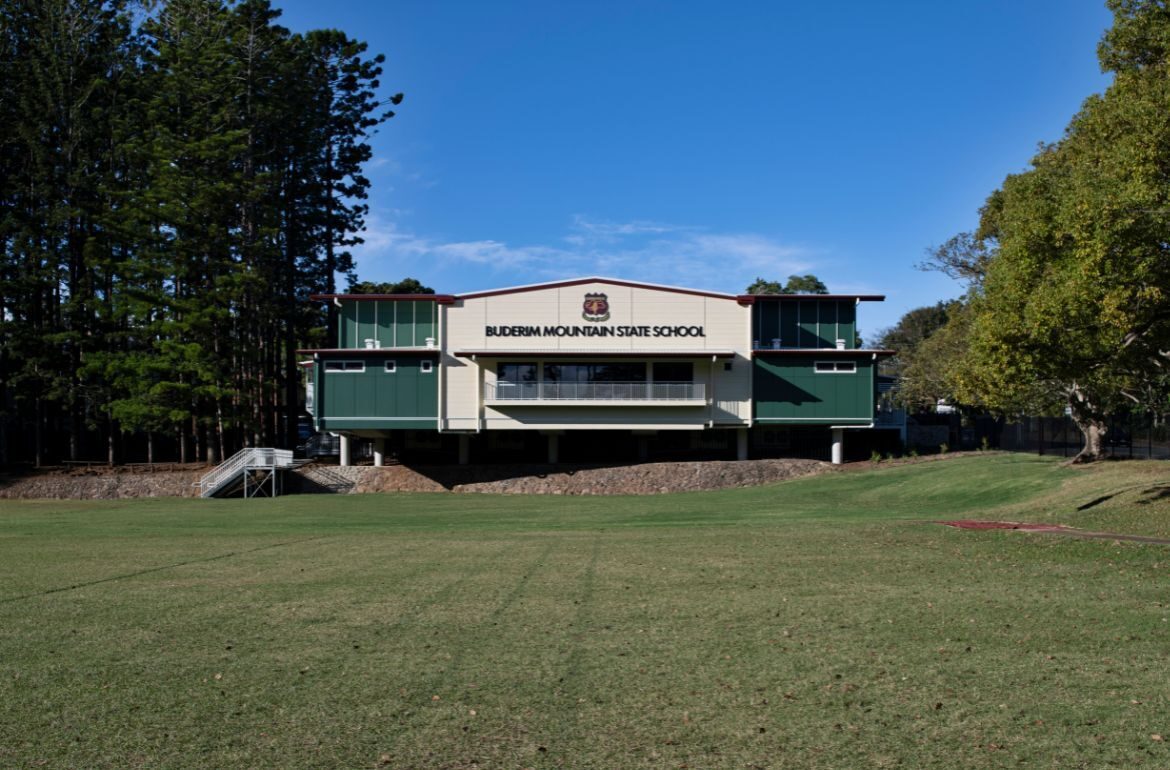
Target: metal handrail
248,457
595,391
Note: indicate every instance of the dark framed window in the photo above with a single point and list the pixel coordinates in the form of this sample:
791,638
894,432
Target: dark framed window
600,372
515,372
345,366
674,371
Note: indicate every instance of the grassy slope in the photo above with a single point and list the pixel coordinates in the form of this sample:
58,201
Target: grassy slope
816,623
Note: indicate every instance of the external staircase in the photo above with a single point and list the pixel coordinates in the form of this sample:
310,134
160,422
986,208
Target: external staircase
254,471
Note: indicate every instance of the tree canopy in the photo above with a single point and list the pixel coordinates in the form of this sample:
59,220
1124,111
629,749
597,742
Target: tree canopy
796,284
1070,267
405,286
176,178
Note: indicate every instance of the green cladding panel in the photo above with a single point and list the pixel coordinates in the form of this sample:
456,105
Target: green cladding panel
827,327
767,326
847,323
804,323
791,390
393,323
789,331
376,399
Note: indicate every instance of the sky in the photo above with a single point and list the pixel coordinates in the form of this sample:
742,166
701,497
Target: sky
704,144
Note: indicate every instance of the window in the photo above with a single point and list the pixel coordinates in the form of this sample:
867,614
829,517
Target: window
426,367
616,372
674,371
345,366
391,367
836,367
515,373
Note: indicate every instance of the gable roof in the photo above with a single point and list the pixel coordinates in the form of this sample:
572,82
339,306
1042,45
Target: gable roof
595,279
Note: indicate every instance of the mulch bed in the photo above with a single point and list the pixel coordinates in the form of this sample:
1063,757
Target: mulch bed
1050,529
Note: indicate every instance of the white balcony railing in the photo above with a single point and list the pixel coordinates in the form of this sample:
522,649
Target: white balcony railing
596,391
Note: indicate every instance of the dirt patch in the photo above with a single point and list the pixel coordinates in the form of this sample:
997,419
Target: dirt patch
641,479
102,483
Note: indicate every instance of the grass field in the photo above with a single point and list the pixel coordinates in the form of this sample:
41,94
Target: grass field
821,623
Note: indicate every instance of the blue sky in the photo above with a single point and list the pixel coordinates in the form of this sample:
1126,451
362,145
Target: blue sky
704,144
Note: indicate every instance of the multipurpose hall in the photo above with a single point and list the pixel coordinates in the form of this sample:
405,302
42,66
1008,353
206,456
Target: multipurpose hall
596,369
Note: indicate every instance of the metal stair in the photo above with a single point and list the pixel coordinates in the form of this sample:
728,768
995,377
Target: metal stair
330,480
255,471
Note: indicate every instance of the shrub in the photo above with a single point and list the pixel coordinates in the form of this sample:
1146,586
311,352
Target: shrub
943,448
875,456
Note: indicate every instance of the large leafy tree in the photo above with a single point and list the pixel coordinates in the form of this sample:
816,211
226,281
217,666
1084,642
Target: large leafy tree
1072,307
916,370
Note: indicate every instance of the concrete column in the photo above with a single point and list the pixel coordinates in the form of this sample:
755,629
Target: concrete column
643,448
554,445
464,449
741,443
838,446
379,452
345,450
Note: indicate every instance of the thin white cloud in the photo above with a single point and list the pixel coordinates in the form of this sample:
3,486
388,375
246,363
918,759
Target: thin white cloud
637,250
606,230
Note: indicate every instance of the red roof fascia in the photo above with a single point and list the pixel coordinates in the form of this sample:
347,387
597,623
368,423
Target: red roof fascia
583,281
750,299
442,299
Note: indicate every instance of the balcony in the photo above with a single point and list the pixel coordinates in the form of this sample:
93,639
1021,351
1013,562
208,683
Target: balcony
596,393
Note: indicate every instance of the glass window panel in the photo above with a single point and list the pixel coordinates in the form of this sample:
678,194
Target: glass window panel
674,371
516,372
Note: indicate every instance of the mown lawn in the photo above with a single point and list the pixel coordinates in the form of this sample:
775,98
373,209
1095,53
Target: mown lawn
821,623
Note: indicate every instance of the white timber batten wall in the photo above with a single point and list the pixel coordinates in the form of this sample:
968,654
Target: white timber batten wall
726,396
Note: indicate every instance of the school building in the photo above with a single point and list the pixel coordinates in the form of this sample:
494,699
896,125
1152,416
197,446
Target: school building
595,369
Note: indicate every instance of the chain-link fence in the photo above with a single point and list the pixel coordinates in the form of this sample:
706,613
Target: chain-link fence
1130,436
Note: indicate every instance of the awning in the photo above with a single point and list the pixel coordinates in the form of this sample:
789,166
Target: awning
591,353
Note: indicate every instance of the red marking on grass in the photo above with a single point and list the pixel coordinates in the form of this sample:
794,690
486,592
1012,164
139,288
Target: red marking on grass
976,524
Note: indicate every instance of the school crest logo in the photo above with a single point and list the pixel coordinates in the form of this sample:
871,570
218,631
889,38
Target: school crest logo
596,308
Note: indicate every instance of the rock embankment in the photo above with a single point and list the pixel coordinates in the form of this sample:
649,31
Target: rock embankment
100,483
641,479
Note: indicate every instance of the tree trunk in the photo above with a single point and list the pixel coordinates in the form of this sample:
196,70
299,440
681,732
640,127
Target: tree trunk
111,453
39,435
1091,422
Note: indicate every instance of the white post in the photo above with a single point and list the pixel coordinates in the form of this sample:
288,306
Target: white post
838,446
553,447
379,451
464,449
344,450
741,443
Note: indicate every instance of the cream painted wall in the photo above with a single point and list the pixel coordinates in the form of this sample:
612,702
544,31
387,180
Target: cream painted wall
726,325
